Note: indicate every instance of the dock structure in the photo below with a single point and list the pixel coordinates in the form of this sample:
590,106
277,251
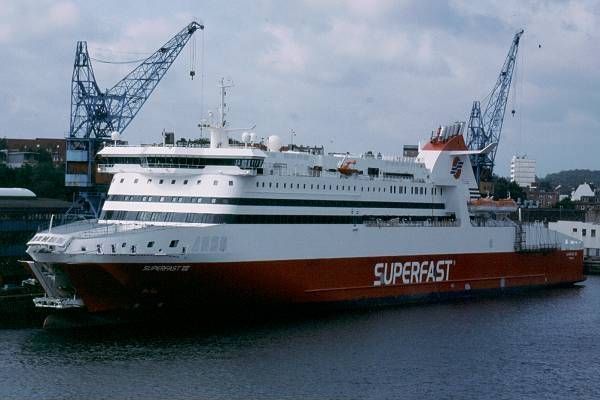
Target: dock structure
22,214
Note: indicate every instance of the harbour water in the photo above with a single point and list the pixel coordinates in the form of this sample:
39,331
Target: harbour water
539,345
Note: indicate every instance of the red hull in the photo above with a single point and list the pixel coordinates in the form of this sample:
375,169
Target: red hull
106,287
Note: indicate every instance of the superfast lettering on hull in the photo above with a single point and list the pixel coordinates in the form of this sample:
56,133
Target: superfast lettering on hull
410,272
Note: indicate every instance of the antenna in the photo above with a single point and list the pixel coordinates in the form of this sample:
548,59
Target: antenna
224,84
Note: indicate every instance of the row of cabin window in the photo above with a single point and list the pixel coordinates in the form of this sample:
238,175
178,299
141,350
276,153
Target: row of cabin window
276,202
185,162
154,216
174,181
584,232
113,247
393,189
168,199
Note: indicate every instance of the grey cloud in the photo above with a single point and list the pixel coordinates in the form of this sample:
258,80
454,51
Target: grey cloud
366,79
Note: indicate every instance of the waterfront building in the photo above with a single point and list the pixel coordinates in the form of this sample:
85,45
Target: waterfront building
19,152
542,198
522,171
587,232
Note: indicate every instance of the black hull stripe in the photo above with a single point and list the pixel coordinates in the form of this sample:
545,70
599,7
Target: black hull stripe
111,215
249,201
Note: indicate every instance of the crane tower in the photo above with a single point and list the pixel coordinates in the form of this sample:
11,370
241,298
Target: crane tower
485,128
97,114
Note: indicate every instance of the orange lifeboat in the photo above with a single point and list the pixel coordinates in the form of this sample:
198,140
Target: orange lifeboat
345,167
487,204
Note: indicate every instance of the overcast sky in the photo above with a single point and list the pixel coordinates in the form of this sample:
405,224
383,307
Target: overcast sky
352,75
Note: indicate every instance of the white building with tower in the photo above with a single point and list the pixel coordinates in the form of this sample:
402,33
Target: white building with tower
522,171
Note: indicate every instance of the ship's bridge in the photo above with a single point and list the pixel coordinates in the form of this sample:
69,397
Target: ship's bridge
131,158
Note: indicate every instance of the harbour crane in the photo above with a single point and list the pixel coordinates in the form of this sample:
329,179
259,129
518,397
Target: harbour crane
485,128
98,116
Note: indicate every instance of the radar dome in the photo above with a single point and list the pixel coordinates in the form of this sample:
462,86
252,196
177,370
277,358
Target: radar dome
274,143
246,137
252,137
114,135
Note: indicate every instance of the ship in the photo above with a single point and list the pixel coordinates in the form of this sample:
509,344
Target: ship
248,222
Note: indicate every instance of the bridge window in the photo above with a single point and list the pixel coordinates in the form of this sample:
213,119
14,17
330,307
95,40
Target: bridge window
173,181
150,244
174,243
230,183
161,181
185,182
215,182
136,180
149,181
122,180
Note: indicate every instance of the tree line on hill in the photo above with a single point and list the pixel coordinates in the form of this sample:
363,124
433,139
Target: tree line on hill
43,178
569,180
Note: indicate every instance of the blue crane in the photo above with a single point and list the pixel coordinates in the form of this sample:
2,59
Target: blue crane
485,128
97,114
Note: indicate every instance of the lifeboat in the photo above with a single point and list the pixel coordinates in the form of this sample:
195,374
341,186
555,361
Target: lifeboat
346,167
487,204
